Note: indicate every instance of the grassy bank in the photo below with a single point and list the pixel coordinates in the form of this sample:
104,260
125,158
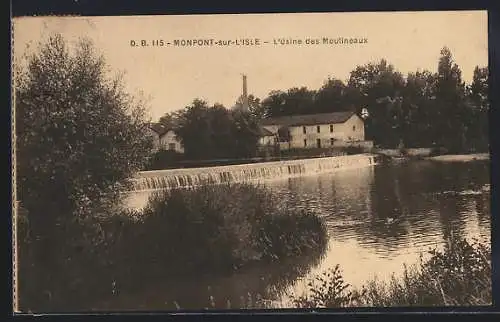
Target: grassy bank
458,275
210,229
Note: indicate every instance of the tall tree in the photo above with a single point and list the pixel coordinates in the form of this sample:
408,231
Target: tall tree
418,105
377,86
478,91
79,138
246,132
450,114
478,127
78,132
194,130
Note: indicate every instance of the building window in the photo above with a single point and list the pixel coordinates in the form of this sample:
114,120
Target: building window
331,141
331,128
305,143
354,127
318,143
171,146
304,129
318,128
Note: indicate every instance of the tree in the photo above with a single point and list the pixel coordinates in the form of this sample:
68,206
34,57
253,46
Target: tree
79,138
478,104
292,102
168,120
451,111
194,131
418,107
478,91
254,105
246,131
377,86
214,132
331,97
78,132
275,104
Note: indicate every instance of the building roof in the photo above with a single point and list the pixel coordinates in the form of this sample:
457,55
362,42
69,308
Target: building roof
311,119
159,128
265,132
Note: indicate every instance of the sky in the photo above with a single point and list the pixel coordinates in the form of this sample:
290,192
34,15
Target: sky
171,77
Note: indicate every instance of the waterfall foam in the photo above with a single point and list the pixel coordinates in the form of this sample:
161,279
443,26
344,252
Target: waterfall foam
179,178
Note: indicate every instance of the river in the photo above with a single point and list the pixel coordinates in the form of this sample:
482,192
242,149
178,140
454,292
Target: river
379,218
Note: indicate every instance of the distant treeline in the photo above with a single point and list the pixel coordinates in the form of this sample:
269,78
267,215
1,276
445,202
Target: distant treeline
421,109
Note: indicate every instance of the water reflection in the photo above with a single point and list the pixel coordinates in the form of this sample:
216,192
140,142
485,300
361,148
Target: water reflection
383,217
378,219
241,289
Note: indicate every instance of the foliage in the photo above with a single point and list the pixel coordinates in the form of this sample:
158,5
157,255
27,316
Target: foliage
254,106
164,159
332,97
292,102
79,138
290,234
328,290
227,225
206,229
214,132
78,132
423,109
459,275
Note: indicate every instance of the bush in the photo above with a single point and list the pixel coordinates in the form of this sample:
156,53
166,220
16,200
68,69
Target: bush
164,159
459,275
209,229
328,290
290,234
222,227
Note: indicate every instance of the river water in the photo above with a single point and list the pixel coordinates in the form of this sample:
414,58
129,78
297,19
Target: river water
379,218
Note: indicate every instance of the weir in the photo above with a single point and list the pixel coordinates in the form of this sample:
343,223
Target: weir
181,178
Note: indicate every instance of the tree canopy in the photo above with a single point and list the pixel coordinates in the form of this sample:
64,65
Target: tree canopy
78,133
215,132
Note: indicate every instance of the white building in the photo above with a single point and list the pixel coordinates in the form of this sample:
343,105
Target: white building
165,138
267,138
318,130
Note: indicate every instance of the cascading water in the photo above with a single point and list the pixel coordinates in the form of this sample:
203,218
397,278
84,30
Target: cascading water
179,178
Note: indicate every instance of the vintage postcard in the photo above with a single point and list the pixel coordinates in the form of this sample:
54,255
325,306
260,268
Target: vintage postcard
251,161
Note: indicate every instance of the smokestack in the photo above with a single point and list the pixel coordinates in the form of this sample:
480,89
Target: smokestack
245,94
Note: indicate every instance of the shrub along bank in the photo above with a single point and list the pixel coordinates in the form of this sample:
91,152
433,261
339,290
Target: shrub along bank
458,275
209,229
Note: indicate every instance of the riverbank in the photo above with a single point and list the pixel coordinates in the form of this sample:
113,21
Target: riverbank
458,275
461,157
181,233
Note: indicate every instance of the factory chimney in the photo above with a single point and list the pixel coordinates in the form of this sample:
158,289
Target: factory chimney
246,106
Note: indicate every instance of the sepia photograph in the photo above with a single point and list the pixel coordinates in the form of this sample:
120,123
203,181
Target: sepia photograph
250,161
